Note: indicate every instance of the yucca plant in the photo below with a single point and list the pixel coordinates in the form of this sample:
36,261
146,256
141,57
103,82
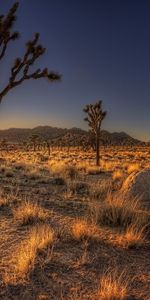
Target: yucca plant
95,116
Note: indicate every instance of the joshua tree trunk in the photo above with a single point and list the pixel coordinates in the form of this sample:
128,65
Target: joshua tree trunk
48,148
34,147
97,150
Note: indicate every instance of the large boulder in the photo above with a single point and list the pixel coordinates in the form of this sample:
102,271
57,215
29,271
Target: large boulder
137,184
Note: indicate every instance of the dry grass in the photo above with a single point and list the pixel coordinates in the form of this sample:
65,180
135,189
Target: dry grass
113,286
8,198
81,229
4,201
99,190
133,237
82,166
108,165
133,168
63,170
24,255
77,187
29,213
116,210
93,170
113,232
117,175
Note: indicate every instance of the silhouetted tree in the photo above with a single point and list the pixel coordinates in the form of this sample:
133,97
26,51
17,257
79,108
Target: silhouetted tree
34,141
95,116
47,145
20,70
4,145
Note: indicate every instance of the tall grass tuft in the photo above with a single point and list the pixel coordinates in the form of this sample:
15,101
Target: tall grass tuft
113,286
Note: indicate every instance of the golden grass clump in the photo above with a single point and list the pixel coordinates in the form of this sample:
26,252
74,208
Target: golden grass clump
117,210
81,229
4,201
82,166
113,286
7,198
108,165
78,187
100,189
64,170
117,175
133,167
133,236
23,258
93,170
29,213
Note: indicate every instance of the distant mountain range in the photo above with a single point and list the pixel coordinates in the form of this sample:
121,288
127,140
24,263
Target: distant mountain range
70,136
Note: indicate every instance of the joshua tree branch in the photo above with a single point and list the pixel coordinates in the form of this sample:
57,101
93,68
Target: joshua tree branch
20,70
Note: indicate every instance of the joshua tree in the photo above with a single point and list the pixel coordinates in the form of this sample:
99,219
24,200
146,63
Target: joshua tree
20,70
47,145
34,139
4,145
95,116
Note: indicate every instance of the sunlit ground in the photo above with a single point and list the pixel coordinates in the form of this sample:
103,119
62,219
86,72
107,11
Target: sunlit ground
68,229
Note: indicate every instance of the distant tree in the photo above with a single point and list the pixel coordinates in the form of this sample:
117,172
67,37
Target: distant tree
34,139
4,145
47,145
95,116
24,145
20,70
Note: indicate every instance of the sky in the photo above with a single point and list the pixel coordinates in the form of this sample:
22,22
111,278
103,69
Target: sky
102,50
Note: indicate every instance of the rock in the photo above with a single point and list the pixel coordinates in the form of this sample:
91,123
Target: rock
137,184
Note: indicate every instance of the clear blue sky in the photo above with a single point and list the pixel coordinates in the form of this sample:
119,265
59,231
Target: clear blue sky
102,49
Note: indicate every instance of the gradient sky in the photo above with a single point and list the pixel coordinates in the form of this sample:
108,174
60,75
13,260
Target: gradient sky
102,49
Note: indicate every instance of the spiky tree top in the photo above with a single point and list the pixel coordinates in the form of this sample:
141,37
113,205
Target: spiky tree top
20,70
95,116
6,33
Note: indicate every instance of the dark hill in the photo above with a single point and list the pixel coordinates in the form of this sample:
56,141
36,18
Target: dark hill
17,135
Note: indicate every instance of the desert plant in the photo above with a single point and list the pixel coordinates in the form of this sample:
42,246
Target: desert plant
133,168
117,175
29,213
4,145
23,257
117,210
134,236
20,70
34,141
83,229
48,146
95,116
113,286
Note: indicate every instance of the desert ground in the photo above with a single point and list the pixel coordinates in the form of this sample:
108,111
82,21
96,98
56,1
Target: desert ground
70,230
